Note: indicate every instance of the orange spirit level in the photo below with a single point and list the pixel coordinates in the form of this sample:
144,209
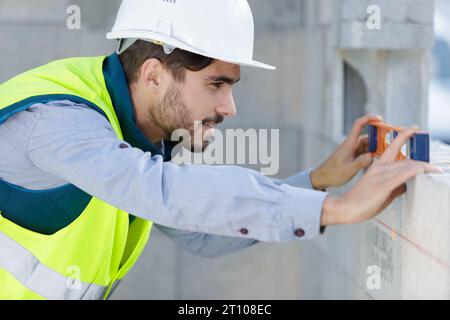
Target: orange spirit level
381,135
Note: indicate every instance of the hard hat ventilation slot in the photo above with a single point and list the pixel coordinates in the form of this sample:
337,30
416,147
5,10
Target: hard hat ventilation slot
168,49
124,44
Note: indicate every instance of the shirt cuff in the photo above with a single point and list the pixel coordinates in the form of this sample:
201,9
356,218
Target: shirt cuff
303,208
300,180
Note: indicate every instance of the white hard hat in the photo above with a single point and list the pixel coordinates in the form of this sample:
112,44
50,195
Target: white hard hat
219,29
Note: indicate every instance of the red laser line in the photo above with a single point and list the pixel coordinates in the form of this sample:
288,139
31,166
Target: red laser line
438,260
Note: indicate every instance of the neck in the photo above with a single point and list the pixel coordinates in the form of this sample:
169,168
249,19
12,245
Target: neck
143,116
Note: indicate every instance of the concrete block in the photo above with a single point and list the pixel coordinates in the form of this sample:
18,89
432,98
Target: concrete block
379,250
421,11
396,83
95,43
98,15
33,12
326,11
392,11
356,35
371,66
404,24
284,14
22,43
25,47
400,11
407,78
425,245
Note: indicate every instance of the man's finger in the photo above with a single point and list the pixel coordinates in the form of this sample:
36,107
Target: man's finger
400,172
410,171
392,177
359,125
364,137
428,168
363,161
394,149
363,146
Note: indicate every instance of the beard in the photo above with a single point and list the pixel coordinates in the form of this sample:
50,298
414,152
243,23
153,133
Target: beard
172,114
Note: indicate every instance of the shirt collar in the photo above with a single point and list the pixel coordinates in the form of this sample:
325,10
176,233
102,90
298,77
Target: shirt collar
117,85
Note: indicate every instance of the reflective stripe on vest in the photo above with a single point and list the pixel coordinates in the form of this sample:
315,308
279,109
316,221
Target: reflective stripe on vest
39,278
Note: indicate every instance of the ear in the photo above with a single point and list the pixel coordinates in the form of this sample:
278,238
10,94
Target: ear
150,73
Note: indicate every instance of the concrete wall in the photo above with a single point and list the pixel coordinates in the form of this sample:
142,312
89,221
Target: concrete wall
309,41
34,32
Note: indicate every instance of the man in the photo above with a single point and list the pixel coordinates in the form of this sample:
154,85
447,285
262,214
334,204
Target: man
85,150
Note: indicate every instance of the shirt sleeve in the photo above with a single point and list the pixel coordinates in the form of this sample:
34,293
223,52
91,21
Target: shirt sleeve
300,180
205,244
211,246
82,149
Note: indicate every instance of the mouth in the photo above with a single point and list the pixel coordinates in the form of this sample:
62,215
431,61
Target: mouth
208,124
211,122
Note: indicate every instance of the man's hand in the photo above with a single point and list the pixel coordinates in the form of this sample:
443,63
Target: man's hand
382,183
350,157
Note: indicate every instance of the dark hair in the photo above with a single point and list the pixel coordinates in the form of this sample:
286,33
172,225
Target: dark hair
177,62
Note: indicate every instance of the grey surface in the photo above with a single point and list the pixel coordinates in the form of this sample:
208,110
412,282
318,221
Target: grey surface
164,271
405,24
303,98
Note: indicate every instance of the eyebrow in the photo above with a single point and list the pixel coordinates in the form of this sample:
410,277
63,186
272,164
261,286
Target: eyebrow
224,79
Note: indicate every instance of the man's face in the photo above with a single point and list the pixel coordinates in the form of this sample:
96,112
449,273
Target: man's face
198,103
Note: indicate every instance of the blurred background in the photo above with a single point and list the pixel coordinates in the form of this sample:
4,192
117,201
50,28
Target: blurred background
439,99
331,69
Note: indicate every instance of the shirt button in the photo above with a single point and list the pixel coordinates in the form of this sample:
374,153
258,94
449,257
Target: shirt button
243,231
299,232
123,146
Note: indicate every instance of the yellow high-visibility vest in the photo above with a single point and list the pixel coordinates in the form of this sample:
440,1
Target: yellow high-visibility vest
88,257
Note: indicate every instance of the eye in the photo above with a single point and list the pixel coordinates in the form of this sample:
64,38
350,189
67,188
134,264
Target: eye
217,84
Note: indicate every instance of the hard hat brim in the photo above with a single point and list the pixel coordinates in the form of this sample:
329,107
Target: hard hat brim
152,36
252,64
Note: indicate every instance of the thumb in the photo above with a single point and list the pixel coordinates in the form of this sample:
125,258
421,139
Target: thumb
363,161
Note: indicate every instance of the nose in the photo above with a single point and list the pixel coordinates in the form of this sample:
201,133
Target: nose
227,108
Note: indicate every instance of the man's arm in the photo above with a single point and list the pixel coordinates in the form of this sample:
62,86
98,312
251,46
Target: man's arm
209,245
226,200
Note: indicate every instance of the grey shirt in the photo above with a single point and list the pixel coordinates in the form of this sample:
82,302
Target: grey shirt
202,208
